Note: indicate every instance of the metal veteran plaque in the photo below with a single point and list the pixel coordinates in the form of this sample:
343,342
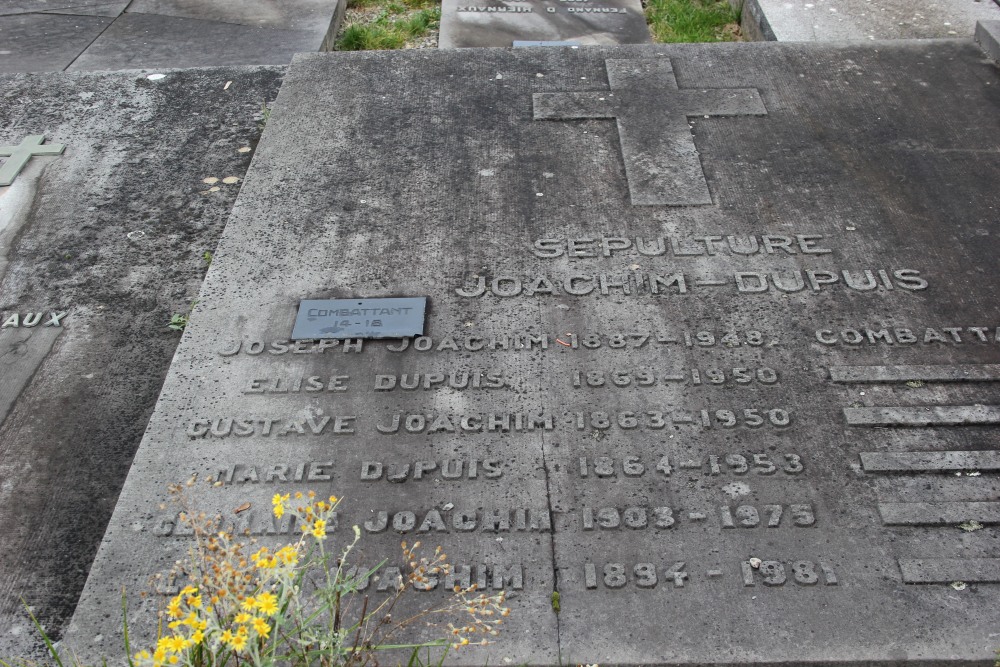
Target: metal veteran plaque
359,318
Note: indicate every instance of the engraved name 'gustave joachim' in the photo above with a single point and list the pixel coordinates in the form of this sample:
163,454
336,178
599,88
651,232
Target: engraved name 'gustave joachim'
638,283
223,427
908,335
478,423
687,246
372,471
463,521
477,379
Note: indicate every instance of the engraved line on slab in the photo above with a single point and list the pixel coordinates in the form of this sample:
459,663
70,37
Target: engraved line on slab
935,514
22,352
950,373
929,461
931,415
947,570
662,165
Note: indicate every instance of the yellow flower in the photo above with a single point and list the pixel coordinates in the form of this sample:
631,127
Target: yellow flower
242,617
267,603
176,644
319,529
159,655
174,608
288,555
194,601
333,499
279,504
238,642
250,603
198,637
226,636
261,626
142,655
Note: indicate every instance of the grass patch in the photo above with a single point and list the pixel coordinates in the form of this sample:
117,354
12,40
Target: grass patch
378,25
692,21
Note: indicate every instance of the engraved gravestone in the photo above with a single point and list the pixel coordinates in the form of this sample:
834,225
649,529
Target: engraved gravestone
714,357
497,23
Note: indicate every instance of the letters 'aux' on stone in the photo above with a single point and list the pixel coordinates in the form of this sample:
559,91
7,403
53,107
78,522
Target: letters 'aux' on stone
661,162
18,156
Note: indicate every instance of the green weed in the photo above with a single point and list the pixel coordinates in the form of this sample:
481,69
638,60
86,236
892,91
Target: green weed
265,115
692,20
178,321
391,28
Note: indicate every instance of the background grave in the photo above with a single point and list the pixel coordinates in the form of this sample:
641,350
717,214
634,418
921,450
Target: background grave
853,20
113,234
500,23
52,36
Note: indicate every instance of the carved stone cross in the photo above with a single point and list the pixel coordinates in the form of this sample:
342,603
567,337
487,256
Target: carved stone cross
18,156
661,162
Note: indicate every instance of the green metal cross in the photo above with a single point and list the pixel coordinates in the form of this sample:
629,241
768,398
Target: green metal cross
18,156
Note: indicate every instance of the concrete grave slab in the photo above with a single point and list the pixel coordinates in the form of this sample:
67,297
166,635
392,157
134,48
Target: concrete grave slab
670,448
308,15
988,37
153,41
35,6
110,9
98,247
849,20
499,23
45,42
